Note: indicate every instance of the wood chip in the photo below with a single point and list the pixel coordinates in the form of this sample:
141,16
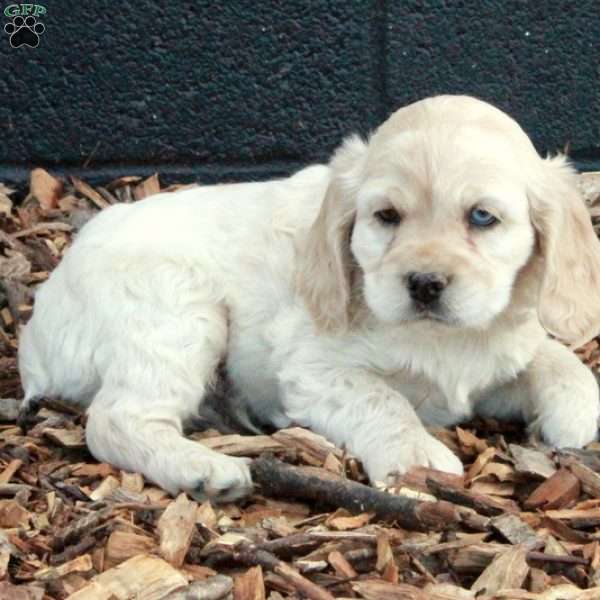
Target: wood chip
341,566
213,588
10,470
474,558
12,514
532,462
590,480
105,489
447,591
334,464
175,528
4,560
500,471
493,488
81,564
557,491
538,580
148,187
46,188
382,590
93,470
589,184
20,592
9,409
306,587
385,556
513,529
508,570
313,448
250,585
123,545
243,445
206,515
574,514
89,192
470,443
132,482
140,577
342,520
479,463
67,438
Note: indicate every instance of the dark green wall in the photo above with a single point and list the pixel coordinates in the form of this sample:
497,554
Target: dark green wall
240,89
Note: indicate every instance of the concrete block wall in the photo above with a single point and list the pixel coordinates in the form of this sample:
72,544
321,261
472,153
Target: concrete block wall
222,91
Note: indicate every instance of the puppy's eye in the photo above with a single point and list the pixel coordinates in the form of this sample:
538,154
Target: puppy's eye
481,218
388,216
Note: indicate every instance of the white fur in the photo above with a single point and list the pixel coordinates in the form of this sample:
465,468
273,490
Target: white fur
153,296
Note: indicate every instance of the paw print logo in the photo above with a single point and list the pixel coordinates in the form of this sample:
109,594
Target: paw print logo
24,31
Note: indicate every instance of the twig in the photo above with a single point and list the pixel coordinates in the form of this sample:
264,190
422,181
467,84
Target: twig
481,503
279,479
557,558
289,545
71,552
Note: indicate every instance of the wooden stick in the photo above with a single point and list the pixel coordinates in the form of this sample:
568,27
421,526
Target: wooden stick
483,504
71,552
555,558
279,479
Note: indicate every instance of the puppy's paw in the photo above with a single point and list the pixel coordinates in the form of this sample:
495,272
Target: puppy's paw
204,474
411,448
225,480
27,410
567,425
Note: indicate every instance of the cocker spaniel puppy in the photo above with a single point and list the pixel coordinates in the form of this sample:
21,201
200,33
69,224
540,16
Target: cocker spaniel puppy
411,281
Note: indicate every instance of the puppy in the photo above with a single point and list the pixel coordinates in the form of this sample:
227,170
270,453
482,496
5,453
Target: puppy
411,281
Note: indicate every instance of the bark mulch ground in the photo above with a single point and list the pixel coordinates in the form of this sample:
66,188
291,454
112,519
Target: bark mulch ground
523,523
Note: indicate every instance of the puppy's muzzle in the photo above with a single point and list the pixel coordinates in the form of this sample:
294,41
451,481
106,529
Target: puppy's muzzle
426,288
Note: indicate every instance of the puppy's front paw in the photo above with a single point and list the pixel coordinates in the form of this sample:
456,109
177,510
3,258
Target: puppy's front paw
568,425
204,474
410,448
224,480
27,411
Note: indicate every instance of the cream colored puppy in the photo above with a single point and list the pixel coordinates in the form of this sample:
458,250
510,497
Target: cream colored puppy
408,282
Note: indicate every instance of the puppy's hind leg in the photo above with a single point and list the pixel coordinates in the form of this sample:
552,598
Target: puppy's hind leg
156,379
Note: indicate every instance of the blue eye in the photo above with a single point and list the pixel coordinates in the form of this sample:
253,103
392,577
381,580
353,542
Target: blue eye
481,218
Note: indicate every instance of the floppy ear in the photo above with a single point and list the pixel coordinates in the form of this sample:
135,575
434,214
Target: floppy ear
325,263
569,301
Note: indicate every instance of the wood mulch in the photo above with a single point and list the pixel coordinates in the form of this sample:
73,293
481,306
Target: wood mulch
523,523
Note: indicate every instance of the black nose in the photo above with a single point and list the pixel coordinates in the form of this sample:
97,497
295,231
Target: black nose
426,287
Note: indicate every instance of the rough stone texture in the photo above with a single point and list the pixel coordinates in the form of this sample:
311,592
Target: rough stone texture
536,60
189,84
246,90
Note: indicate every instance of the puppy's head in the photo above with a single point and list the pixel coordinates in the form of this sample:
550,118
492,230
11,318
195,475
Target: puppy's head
443,217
